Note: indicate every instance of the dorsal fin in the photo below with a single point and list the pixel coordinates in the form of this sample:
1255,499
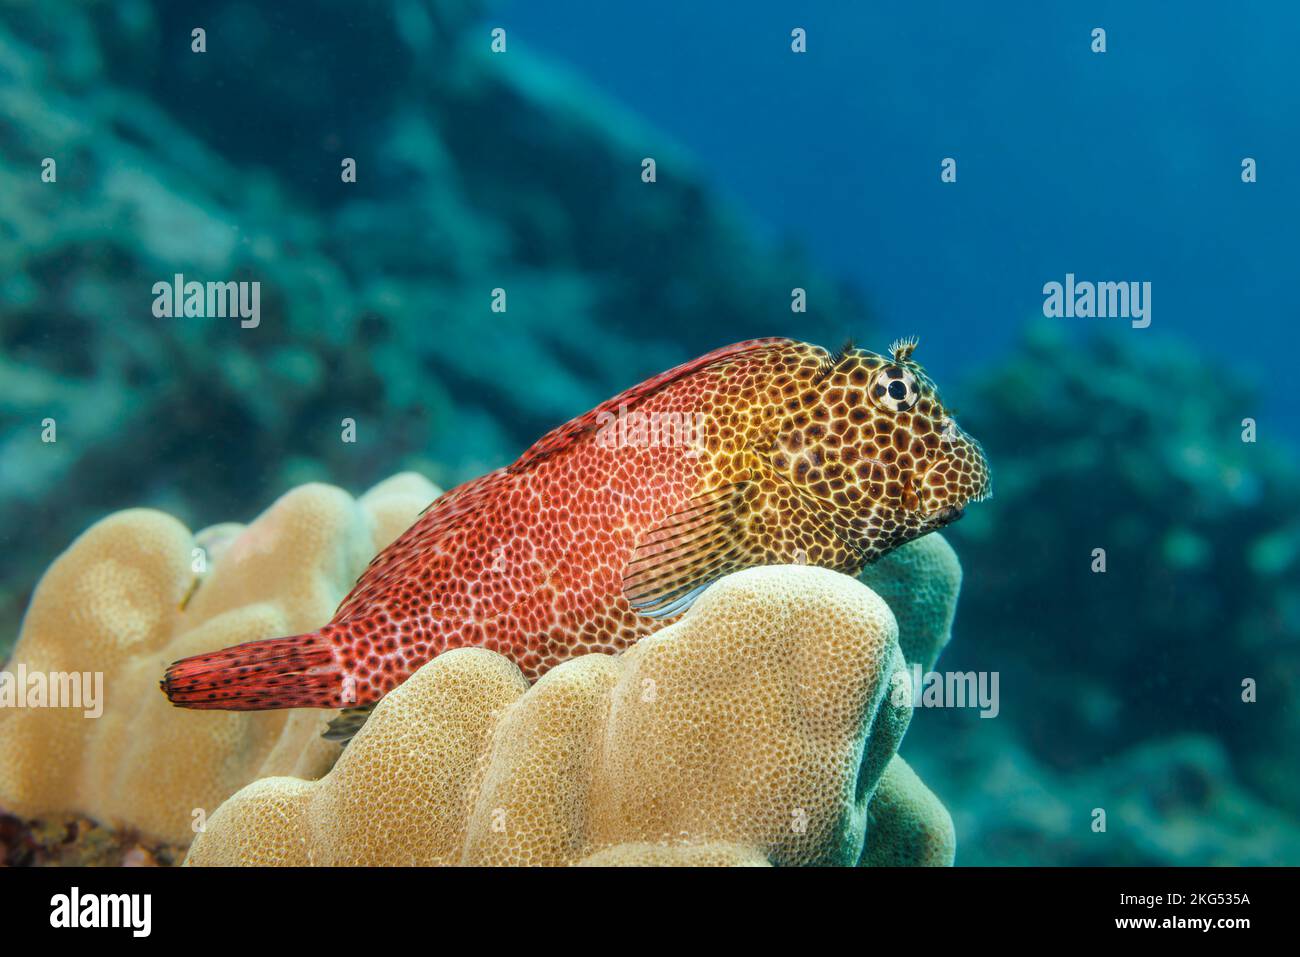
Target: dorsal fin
563,436
831,361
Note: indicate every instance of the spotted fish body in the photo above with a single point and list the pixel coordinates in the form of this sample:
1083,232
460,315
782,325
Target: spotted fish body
769,451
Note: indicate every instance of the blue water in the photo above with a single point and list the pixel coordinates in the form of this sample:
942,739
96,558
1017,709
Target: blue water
1117,166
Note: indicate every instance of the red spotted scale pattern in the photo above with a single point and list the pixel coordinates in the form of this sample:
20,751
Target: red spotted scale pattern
764,452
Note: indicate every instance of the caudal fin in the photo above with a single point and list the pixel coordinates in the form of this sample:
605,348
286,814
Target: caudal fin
295,672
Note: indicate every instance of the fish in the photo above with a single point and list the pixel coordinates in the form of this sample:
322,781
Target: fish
765,452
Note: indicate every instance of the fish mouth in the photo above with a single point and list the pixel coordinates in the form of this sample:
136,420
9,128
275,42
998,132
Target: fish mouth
947,515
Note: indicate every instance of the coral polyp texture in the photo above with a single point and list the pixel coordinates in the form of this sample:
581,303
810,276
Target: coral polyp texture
754,731
137,591
760,729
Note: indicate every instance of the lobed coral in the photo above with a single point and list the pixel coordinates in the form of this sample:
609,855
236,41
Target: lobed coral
920,582
907,824
125,599
759,729
755,730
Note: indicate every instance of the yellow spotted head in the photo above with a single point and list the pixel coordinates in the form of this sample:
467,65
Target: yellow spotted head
867,439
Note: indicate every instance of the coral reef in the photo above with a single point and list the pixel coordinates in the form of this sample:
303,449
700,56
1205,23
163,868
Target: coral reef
1175,801
752,731
1102,443
138,590
475,172
80,842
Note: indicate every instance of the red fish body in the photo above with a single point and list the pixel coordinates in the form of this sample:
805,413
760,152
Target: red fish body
764,452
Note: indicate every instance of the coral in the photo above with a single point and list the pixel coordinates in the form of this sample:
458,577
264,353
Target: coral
1175,802
659,855
752,731
79,842
125,600
920,582
1117,443
907,825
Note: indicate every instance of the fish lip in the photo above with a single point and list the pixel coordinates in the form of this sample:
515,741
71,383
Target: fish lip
948,514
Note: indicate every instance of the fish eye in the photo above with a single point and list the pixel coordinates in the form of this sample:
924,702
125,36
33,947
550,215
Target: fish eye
894,389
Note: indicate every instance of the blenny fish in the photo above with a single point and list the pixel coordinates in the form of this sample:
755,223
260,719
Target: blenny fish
584,545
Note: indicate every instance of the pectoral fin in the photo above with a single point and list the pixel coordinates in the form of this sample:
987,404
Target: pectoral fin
347,724
686,552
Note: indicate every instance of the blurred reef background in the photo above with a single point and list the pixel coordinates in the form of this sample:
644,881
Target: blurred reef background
479,171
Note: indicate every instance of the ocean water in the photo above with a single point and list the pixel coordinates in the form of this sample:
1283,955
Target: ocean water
1117,166
1133,584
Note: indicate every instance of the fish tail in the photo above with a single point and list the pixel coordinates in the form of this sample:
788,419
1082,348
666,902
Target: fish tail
299,671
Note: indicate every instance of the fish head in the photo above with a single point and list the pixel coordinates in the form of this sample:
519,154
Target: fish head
868,442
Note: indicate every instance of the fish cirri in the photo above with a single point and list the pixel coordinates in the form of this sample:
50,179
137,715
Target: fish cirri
605,530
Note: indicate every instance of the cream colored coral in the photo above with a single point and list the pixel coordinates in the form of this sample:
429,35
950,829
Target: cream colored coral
112,603
754,730
658,855
920,582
